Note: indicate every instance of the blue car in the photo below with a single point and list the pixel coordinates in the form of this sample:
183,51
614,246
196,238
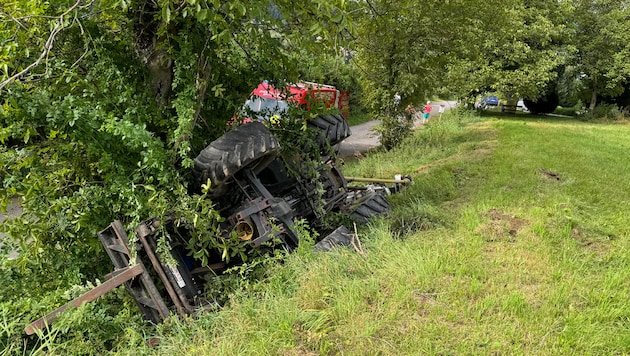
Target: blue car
489,101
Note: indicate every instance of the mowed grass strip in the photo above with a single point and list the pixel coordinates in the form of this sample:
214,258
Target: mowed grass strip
514,239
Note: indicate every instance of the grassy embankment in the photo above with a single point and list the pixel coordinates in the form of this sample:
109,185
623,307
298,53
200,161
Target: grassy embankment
514,239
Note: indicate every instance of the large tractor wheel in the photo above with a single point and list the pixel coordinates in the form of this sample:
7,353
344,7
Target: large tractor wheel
374,204
334,128
251,145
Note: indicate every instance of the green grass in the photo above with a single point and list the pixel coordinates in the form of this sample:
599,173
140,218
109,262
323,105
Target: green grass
513,239
357,118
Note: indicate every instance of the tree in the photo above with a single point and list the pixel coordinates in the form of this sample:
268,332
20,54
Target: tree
520,47
104,105
458,47
601,46
405,46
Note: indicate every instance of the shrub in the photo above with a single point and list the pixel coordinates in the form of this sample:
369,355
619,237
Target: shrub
570,111
393,130
545,105
610,112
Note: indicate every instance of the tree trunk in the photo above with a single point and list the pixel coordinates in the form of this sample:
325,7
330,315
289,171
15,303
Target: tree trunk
593,100
161,68
150,48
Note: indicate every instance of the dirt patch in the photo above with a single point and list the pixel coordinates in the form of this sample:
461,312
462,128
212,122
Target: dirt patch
500,225
550,174
597,242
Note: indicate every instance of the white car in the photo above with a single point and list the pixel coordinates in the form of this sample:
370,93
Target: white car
520,105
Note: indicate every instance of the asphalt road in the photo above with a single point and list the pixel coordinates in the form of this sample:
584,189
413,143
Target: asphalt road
363,137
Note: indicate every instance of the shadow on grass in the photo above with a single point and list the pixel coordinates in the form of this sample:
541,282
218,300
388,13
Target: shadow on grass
523,116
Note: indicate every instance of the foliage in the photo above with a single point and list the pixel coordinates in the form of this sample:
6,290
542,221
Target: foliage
517,48
397,47
105,104
92,328
600,46
101,109
607,112
570,89
401,47
392,130
545,104
460,48
568,111
518,52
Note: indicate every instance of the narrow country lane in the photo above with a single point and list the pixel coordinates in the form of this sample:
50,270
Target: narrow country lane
363,137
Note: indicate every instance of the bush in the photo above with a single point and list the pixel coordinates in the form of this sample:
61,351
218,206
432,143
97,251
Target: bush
393,130
545,105
567,111
610,112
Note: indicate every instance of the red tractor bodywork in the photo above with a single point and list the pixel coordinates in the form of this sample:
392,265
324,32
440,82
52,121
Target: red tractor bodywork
301,95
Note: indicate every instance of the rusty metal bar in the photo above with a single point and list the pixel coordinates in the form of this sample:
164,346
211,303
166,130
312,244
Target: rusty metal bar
377,180
143,290
121,277
142,231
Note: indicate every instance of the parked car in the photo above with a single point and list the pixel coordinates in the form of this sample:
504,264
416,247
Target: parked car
489,101
520,105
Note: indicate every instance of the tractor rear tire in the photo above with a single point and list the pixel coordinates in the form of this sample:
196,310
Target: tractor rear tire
374,204
249,146
334,128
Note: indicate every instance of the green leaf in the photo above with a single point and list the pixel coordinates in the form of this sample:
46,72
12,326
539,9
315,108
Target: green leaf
202,15
166,14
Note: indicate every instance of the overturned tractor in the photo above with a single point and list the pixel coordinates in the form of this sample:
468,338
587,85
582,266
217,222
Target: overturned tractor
258,195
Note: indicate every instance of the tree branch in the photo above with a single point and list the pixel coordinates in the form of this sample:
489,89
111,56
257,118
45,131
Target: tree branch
15,20
59,26
373,9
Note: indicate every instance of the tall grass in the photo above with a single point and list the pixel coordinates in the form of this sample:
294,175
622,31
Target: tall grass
514,239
